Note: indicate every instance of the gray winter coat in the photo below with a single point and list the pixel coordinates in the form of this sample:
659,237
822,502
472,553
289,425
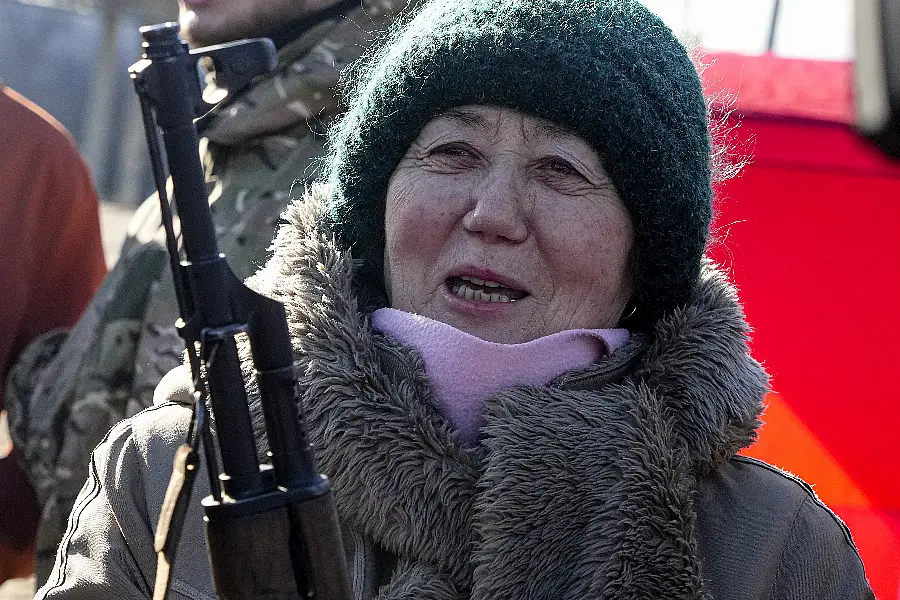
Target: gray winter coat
620,481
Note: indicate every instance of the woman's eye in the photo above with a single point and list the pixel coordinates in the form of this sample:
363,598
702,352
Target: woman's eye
452,150
451,158
561,167
556,168
562,176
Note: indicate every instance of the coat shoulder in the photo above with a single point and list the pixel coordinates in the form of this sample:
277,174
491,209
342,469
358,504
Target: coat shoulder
759,528
107,551
744,483
162,425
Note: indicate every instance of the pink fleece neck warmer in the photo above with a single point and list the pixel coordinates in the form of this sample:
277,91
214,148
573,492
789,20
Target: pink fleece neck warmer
465,370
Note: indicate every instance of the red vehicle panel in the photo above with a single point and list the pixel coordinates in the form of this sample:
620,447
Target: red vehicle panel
811,233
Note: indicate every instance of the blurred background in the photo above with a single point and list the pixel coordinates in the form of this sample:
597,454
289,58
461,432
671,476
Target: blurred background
808,229
71,57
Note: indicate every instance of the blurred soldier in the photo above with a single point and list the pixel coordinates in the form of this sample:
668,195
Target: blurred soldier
52,264
255,147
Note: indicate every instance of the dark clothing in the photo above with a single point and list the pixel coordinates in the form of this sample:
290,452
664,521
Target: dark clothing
782,541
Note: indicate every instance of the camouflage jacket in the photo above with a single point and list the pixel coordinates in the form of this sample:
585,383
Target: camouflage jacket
68,388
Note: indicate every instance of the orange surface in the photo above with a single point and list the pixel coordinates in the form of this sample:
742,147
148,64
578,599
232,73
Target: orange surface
786,442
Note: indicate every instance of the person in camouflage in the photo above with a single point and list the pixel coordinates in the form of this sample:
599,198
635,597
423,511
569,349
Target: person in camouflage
67,390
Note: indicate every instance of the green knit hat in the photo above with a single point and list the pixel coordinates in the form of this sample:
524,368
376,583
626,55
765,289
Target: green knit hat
607,70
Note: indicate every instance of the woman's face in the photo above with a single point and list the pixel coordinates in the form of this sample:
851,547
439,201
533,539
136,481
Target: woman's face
506,227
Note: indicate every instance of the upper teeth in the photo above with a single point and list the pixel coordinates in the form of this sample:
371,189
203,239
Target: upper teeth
464,291
485,282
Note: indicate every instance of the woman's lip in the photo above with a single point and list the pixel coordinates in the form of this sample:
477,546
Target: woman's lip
487,274
476,308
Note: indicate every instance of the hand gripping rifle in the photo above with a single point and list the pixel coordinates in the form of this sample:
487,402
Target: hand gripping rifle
271,529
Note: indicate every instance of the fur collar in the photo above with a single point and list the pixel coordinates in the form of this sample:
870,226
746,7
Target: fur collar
581,489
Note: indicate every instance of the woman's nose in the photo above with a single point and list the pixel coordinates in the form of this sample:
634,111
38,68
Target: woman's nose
497,211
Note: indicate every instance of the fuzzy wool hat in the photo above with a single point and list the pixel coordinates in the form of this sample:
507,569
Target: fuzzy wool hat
608,70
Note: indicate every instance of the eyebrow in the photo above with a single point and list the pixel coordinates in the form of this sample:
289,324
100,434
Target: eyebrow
465,117
472,118
553,129
543,127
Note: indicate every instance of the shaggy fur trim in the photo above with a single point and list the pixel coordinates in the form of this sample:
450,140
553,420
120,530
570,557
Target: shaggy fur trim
575,492
583,497
415,581
712,388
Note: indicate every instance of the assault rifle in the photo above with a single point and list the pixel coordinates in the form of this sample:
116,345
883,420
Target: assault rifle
271,529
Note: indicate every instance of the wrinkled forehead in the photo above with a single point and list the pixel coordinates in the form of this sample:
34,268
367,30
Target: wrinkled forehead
495,122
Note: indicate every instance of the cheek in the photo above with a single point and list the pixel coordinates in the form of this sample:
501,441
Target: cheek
593,250
418,213
405,216
418,223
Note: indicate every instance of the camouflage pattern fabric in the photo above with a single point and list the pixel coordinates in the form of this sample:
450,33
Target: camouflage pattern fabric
66,391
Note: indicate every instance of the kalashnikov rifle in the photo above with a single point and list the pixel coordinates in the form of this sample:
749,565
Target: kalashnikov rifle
271,529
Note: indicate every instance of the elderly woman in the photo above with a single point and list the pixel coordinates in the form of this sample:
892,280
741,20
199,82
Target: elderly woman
521,375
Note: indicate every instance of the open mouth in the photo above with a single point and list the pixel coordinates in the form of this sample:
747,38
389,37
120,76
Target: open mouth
482,290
